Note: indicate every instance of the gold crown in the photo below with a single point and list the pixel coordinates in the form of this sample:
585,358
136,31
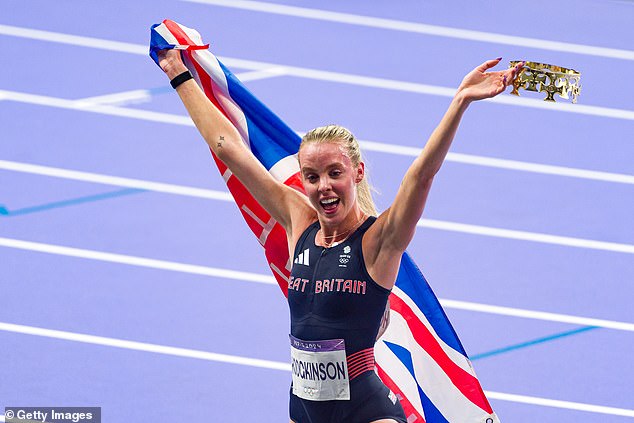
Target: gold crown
550,79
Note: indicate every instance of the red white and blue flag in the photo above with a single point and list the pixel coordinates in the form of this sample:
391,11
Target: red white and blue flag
419,357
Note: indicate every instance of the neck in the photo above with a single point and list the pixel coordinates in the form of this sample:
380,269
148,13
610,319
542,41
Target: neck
331,235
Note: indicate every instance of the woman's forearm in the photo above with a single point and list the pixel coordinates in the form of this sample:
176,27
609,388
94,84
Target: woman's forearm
217,131
430,160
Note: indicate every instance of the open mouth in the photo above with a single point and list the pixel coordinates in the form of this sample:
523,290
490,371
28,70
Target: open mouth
329,204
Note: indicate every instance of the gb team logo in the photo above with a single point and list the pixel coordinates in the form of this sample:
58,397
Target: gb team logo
345,257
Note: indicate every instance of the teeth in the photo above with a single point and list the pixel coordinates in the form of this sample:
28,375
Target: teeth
329,201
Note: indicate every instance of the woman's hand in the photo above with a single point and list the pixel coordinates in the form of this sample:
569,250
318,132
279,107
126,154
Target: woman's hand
171,62
480,84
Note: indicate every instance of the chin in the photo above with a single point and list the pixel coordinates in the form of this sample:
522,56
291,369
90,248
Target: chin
333,218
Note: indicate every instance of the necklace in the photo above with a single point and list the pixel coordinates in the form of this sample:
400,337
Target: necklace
333,243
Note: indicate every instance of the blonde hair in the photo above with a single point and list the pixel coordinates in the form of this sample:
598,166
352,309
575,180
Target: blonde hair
339,134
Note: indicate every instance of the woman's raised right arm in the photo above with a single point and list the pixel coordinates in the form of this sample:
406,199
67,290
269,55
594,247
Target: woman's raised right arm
283,203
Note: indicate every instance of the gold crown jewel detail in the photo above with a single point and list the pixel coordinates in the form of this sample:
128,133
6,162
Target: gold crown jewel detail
550,79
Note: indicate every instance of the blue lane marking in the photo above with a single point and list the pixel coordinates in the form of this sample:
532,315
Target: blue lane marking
72,202
160,90
531,343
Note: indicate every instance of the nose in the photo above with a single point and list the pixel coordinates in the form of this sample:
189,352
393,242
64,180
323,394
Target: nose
324,184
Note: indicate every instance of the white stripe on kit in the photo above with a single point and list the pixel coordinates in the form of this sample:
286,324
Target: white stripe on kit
302,258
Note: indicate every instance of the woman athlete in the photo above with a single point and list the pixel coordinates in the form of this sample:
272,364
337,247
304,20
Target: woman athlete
346,258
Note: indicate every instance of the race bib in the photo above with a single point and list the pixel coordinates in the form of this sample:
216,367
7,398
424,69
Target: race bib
320,370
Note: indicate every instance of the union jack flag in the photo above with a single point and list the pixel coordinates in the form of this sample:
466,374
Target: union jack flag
419,357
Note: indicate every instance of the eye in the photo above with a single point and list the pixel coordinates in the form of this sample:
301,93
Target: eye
311,177
335,173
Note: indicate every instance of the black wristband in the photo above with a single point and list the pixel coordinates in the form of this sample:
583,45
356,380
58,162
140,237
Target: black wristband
185,76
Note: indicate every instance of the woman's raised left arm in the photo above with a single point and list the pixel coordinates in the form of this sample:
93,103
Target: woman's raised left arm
398,223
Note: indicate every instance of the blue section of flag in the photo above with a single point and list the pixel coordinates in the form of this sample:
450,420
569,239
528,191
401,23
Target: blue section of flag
432,415
271,139
411,280
157,43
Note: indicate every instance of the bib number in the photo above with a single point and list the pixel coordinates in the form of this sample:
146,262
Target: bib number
320,370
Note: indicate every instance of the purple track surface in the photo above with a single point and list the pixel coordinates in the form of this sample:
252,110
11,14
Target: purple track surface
72,247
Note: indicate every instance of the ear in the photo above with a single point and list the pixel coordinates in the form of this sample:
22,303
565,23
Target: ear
360,173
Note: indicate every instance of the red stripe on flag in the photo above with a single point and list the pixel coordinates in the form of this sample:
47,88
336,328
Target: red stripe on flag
204,77
276,251
465,382
275,244
405,403
295,181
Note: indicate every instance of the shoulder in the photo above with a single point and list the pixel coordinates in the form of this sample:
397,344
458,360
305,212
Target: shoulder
381,262
302,220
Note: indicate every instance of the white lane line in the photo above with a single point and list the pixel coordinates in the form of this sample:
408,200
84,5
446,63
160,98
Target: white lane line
536,315
262,74
419,28
546,402
267,279
118,99
269,364
76,40
504,163
97,108
225,196
137,261
144,96
144,346
369,145
116,181
526,236
435,90
365,81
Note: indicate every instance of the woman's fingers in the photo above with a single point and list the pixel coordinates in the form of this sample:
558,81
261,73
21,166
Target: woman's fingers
488,64
513,73
170,61
517,69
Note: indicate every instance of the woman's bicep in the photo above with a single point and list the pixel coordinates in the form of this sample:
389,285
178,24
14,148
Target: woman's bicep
276,198
402,217
279,200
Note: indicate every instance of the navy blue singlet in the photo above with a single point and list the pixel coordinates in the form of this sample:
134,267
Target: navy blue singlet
332,296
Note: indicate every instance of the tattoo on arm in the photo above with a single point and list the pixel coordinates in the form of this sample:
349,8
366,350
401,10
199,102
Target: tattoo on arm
220,143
